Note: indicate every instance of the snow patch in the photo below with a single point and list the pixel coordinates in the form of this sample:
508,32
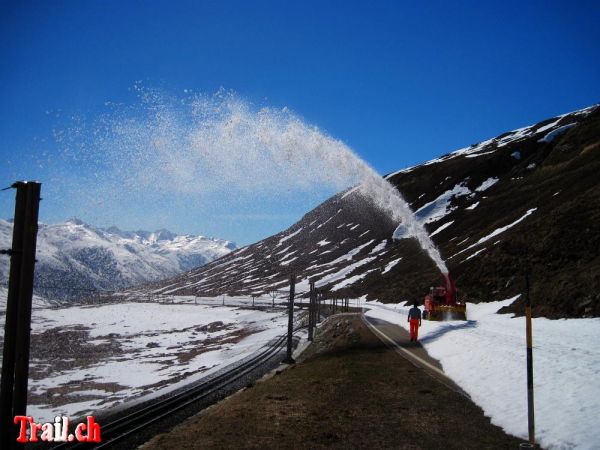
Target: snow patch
496,232
441,228
391,265
554,133
487,184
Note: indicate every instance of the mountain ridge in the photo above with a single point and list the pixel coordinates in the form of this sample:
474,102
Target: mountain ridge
75,258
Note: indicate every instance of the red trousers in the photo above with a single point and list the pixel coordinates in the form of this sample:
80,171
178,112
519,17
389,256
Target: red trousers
414,329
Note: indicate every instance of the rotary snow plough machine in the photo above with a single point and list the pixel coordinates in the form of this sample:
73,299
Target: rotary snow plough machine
441,303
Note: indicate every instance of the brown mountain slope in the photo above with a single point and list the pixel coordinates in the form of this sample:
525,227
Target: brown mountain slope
526,199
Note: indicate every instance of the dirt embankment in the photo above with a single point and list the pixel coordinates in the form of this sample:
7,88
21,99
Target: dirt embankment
348,391
339,333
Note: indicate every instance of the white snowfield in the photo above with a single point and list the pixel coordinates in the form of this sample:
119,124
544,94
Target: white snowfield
486,356
159,347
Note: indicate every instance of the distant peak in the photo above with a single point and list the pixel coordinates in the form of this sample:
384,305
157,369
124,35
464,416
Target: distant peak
164,234
76,221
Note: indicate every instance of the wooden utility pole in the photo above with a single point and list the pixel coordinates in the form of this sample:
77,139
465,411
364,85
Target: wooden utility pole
288,358
17,330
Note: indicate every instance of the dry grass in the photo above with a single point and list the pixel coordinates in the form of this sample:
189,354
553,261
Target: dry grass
358,398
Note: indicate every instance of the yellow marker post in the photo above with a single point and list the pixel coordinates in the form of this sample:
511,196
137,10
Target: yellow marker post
528,331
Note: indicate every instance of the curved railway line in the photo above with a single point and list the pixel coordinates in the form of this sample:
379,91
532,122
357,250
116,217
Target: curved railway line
128,424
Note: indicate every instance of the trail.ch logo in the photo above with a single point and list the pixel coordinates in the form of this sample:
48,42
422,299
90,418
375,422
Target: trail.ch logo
57,431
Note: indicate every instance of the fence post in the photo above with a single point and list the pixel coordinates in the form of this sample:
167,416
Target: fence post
528,332
311,311
318,316
288,358
15,367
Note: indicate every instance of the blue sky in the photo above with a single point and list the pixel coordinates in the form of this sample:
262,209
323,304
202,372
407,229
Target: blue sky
399,82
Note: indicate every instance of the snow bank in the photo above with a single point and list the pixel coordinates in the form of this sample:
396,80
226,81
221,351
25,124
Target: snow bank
486,356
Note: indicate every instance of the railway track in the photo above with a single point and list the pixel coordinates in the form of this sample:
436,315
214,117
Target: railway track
129,424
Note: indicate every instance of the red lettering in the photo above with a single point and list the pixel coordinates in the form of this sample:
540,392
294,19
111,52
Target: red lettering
93,430
79,429
33,431
23,427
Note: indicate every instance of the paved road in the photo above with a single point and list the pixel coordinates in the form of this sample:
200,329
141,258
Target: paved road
398,338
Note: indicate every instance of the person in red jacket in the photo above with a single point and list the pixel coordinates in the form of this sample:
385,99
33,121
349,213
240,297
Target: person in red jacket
414,318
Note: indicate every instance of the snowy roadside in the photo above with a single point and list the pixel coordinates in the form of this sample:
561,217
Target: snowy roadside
486,356
86,358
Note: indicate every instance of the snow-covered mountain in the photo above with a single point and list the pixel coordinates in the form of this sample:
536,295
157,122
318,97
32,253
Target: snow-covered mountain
527,198
73,257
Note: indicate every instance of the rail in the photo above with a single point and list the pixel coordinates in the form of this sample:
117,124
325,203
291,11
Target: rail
131,423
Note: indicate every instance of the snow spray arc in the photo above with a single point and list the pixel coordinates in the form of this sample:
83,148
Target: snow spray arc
204,143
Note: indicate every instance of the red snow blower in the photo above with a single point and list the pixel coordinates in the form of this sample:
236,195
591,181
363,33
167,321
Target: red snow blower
441,303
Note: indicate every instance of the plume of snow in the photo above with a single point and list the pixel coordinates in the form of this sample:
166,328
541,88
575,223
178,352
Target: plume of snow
222,143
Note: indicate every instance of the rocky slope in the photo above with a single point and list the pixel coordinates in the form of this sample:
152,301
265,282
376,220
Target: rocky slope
527,200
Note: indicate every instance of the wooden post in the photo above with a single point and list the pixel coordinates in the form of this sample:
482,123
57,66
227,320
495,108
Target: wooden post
311,311
288,358
15,367
529,338
314,309
319,297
